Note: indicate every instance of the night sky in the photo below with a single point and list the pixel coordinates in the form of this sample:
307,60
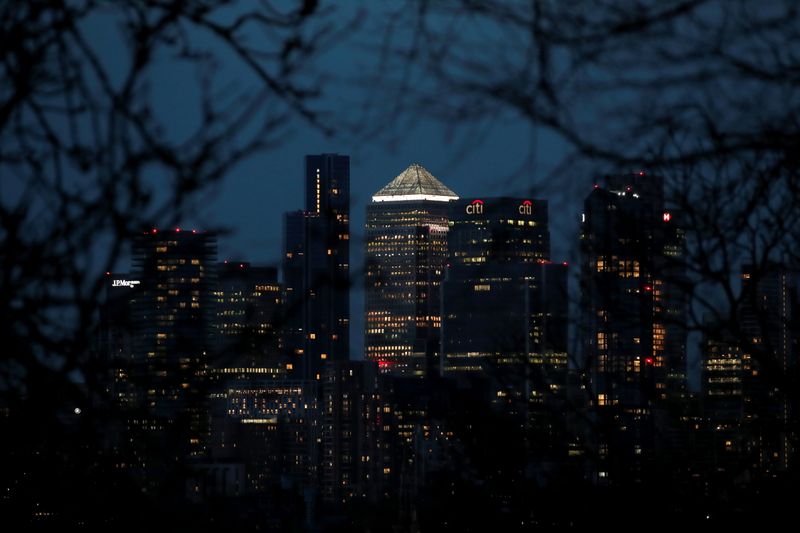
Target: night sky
506,157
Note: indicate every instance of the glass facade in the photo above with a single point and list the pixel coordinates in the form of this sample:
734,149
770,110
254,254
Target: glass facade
405,253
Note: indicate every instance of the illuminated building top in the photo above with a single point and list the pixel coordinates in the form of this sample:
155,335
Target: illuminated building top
415,183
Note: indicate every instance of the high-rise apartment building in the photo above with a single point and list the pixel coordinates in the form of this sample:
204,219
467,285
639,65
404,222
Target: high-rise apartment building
405,253
173,318
351,463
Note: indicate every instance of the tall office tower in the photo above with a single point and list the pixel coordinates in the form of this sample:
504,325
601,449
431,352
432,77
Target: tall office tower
504,307
248,310
633,325
173,316
316,266
115,342
406,248
498,230
769,325
350,402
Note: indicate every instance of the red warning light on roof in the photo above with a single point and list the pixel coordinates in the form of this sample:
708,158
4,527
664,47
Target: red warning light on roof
565,263
642,173
649,360
177,230
596,186
154,231
666,217
648,288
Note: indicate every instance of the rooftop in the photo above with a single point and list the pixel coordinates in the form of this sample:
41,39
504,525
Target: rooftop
415,183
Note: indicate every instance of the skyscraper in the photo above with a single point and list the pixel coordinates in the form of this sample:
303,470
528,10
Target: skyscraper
498,230
769,358
173,316
504,310
633,325
406,248
116,337
316,266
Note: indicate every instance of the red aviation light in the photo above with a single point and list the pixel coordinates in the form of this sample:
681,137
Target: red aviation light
565,263
177,230
596,186
154,231
642,173
649,360
648,288
666,217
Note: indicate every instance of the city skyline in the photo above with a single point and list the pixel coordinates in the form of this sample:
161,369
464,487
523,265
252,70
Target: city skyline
421,266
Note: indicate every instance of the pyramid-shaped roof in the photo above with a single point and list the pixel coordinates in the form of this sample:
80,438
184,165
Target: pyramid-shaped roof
415,183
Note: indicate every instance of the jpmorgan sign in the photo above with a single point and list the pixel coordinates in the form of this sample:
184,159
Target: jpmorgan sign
125,283
475,207
525,208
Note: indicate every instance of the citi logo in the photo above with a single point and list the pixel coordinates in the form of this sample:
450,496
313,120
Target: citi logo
526,208
475,208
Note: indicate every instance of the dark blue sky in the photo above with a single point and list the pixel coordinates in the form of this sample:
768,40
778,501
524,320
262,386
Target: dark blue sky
251,200
504,157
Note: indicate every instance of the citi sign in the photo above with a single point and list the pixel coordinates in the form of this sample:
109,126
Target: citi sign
526,208
475,207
